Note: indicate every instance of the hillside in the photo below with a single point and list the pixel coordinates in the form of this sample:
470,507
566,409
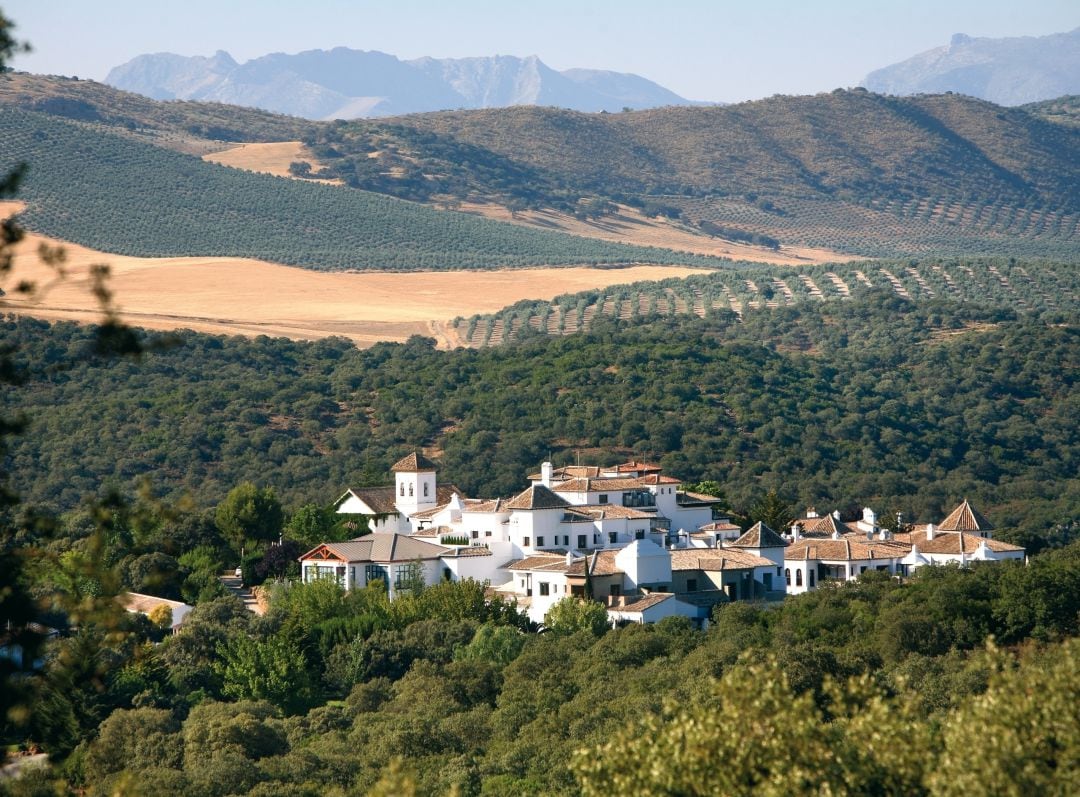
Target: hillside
1063,110
346,84
849,171
1008,71
1028,288
119,195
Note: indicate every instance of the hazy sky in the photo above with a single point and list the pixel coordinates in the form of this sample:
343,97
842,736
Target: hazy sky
720,50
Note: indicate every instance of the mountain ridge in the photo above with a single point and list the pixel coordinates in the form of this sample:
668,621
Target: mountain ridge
1007,71
346,83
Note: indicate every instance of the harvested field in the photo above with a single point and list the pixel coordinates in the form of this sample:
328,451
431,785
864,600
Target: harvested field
272,158
236,296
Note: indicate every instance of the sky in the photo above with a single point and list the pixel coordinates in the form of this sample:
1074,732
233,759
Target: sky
721,50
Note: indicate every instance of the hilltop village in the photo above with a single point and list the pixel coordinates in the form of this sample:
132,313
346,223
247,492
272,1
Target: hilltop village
626,535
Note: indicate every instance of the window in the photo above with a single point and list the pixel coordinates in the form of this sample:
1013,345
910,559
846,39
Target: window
581,541
577,590
410,490
616,590
487,533
596,539
787,575
603,498
376,573
811,573
612,537
540,544
425,489
798,578
475,534
526,542
691,585
778,573
402,489
408,574
544,588
639,534
566,539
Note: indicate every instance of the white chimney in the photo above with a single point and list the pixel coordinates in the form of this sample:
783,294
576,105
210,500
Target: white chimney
836,514
570,558
869,516
811,512
546,474
929,531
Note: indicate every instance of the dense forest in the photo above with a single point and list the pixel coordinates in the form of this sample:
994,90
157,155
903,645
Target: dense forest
876,401
123,196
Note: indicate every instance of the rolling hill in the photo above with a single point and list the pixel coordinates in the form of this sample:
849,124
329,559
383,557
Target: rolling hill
849,171
119,195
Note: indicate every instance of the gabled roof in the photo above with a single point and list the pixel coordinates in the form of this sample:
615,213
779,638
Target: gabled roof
569,472
380,499
955,543
759,536
633,466
380,546
824,526
642,603
848,549
965,518
716,525
537,497
413,463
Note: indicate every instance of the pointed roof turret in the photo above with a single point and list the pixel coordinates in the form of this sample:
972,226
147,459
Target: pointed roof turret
965,518
759,536
537,497
413,463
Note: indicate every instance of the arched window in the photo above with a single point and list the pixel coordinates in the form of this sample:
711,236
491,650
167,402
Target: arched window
787,575
410,489
402,489
798,578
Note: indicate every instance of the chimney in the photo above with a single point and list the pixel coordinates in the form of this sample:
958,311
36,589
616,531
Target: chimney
570,559
870,533
811,512
546,473
796,531
929,531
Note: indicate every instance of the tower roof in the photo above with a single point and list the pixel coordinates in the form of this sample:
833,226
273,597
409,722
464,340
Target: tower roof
413,463
759,536
965,518
537,497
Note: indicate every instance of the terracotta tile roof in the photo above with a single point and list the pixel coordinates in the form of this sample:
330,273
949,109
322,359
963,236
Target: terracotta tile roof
472,550
484,505
713,559
824,526
540,561
603,483
656,478
695,499
569,472
601,511
380,499
537,497
845,550
413,463
965,518
602,563
951,542
640,604
720,525
759,536
137,602
633,466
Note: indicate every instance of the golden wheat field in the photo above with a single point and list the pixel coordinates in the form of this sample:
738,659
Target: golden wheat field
237,296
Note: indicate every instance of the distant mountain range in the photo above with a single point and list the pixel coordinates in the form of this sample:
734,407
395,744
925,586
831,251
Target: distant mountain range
1010,71
349,84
